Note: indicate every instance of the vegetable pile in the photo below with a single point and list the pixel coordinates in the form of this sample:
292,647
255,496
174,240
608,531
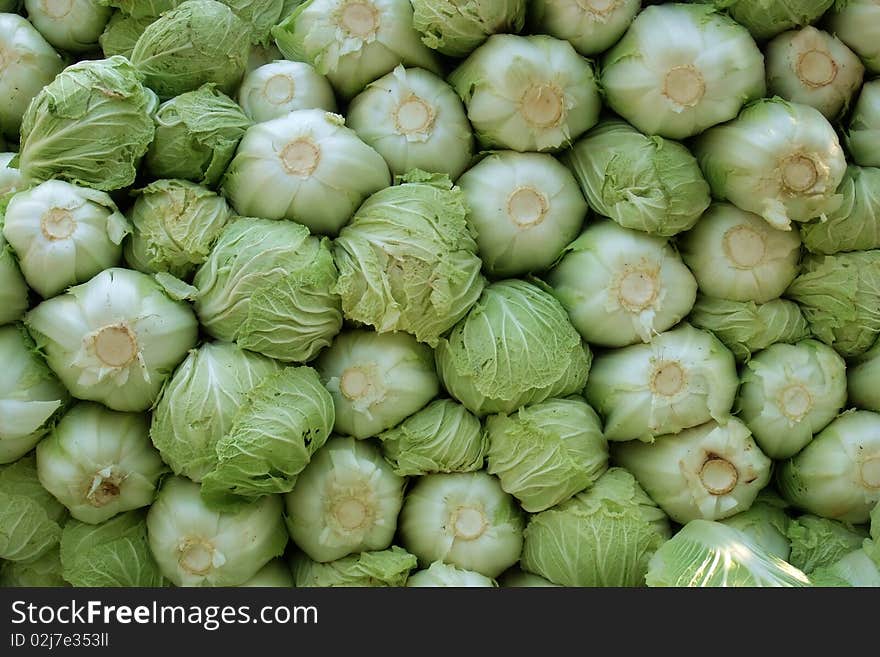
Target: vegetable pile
439,293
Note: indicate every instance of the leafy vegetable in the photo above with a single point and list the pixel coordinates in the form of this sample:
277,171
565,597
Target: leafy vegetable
273,574
767,524
818,542
855,23
280,87
71,25
441,574
767,18
44,571
862,375
13,289
382,568
456,28
862,137
591,26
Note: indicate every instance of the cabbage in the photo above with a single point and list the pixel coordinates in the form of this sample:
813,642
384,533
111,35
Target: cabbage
463,519
196,136
455,28
277,88
345,501
591,26
114,553
353,42
415,121
200,403
99,462
710,472
840,297
306,166
376,380
855,225
530,93
30,395
90,126
122,33
780,160
11,180
545,453
30,518
855,22
818,542
603,536
273,574
13,289
857,568
862,375
812,67
516,578
442,437
682,378
516,346
622,286
767,18
44,571
709,554
195,546
199,41
440,574
789,393
746,327
645,183
382,568
28,63
408,260
71,25
266,286
837,476
114,339
767,524
862,136
737,255
525,208
680,69
63,234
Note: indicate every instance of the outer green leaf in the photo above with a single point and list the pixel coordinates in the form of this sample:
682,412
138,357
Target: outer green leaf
855,225
383,568
455,28
818,542
30,518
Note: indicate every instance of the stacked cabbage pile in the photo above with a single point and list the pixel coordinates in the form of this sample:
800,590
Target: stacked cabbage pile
439,293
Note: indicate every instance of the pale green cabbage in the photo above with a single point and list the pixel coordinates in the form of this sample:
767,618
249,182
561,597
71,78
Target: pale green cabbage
463,519
840,298
415,121
70,25
200,403
863,373
456,28
682,68
266,287
767,18
531,93
603,536
812,67
442,437
545,453
709,472
13,288
376,380
591,26
90,126
115,553
114,339
682,378
780,160
818,542
439,574
99,462
30,518
197,133
525,208
737,255
29,64
275,432
279,87
645,183
622,286
855,225
200,41
516,578
273,574
44,571
382,568
346,501
30,395
196,546
857,24
837,476
862,136
789,393
746,327
63,234
766,523
174,225
305,166
408,260
122,33
353,42
709,554
516,346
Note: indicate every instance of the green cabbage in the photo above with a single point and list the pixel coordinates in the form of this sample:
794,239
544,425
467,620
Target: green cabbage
862,136
455,28
277,88
591,26
767,524
863,373
44,571
383,568
817,542
13,289
440,574
70,25
767,18
855,22
122,33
